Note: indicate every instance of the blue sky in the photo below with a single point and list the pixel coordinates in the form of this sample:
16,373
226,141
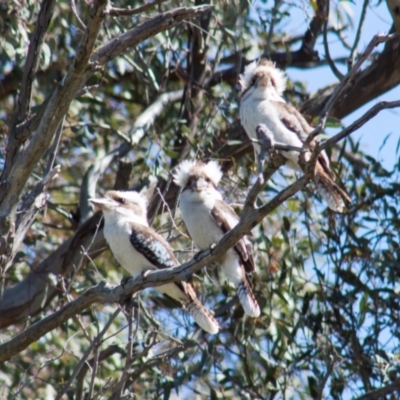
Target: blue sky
378,20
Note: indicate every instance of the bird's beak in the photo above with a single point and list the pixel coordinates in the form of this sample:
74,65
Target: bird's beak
198,185
103,204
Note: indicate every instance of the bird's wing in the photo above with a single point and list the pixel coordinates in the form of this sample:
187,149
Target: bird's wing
295,122
227,219
155,249
152,246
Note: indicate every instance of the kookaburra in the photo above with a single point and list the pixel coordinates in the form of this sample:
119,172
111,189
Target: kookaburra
139,248
261,102
207,218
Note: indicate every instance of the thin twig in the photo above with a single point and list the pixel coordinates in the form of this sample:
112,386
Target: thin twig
94,369
52,153
377,39
104,354
331,64
82,361
78,18
128,361
358,33
267,50
383,105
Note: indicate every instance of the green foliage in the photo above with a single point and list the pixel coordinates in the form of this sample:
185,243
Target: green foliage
327,284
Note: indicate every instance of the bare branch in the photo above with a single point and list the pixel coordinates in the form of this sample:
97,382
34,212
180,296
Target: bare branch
377,39
105,293
331,64
393,387
96,342
358,34
32,62
383,105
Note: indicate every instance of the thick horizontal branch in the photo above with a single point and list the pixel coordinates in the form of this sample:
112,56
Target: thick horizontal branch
27,298
105,293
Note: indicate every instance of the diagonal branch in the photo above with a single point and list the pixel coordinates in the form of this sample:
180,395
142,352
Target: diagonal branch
18,167
105,293
383,105
40,131
382,392
377,39
32,62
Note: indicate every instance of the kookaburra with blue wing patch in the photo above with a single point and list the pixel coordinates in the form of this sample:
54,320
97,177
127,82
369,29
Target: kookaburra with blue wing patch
139,248
261,102
207,218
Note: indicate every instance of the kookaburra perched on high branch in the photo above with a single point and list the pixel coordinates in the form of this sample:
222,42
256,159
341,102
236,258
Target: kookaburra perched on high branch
261,102
139,248
207,218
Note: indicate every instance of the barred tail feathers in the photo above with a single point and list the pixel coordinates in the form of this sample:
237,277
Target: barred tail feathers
184,293
202,316
334,196
236,274
248,300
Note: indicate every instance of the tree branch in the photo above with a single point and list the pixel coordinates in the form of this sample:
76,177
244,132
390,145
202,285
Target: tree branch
32,63
105,293
377,39
16,174
18,168
381,392
383,105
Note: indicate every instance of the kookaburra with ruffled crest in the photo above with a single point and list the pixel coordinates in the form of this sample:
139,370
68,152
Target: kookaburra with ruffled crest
261,102
139,248
207,218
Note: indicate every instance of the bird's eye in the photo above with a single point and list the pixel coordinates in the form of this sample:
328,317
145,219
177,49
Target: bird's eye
121,200
208,180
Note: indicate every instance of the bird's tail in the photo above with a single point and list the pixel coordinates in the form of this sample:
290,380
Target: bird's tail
330,191
202,316
247,299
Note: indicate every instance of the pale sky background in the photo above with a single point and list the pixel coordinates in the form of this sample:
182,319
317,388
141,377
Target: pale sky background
378,20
